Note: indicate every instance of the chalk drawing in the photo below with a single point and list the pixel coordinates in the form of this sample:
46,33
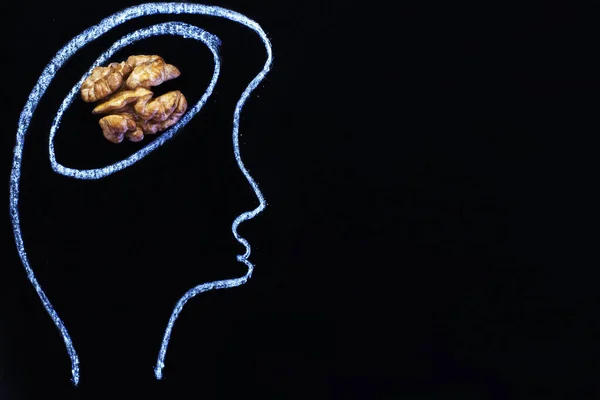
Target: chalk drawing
90,34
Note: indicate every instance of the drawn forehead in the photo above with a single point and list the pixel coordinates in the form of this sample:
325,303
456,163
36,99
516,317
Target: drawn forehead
148,9
184,30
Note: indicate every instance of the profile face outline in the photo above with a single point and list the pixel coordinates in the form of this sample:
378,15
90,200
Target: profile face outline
90,34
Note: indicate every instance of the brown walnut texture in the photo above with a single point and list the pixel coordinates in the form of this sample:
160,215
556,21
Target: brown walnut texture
127,100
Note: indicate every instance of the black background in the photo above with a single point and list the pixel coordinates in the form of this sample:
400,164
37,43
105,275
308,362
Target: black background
429,172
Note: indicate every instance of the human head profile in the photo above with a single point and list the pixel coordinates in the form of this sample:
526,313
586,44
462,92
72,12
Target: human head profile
168,28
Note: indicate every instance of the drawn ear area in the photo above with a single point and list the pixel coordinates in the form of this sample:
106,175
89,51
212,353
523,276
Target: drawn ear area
125,107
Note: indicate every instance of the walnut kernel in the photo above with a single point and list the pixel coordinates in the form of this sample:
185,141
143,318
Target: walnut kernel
104,81
121,99
169,108
132,110
151,73
114,127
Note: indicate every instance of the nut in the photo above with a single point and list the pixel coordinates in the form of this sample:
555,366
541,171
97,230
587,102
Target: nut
162,107
115,127
132,110
121,99
104,81
149,72
162,112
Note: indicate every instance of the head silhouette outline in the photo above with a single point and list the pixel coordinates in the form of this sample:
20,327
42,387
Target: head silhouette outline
92,33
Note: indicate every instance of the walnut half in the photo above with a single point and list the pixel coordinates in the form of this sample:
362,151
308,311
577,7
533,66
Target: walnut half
104,81
149,71
161,113
115,127
120,100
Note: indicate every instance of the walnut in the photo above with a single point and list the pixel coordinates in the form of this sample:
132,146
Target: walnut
132,110
162,107
116,126
104,81
149,72
162,112
120,100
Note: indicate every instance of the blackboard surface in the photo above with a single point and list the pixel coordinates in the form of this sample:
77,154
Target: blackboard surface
429,173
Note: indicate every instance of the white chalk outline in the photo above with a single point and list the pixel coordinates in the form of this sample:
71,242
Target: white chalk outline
44,81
